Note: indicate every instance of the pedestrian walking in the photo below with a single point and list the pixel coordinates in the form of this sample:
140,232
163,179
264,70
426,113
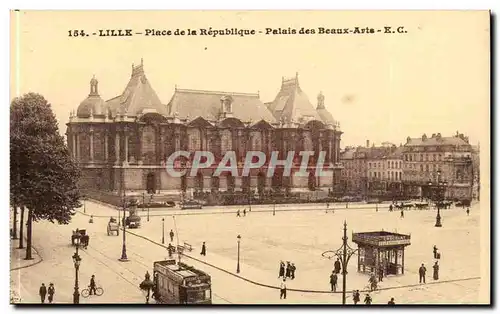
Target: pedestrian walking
282,270
283,289
43,292
51,292
327,205
333,281
435,274
172,235
368,299
287,272
336,266
391,302
170,250
244,212
421,273
292,271
381,274
92,285
238,213
435,250
402,213
91,220
468,211
203,250
390,208
356,297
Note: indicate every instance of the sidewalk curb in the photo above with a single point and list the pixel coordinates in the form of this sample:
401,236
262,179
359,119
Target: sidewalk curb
40,259
300,290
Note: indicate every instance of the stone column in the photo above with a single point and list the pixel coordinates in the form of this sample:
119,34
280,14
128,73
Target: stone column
106,146
91,145
77,146
73,138
139,146
117,147
125,160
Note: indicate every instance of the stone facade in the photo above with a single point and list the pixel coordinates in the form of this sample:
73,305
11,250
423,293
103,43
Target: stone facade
124,143
429,161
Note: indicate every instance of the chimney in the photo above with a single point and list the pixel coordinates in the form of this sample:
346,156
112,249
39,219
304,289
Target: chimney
367,143
408,139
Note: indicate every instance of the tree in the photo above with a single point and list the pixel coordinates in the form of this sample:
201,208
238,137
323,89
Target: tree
43,175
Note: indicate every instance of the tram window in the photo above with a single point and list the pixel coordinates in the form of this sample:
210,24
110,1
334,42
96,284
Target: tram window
170,287
207,294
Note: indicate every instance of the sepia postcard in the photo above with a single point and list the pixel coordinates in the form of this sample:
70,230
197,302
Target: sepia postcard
250,157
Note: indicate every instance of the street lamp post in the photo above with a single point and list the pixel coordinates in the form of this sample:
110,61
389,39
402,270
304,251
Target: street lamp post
146,286
124,257
344,254
143,201
76,261
163,231
441,186
238,265
149,205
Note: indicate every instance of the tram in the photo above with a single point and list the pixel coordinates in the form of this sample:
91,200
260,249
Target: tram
178,283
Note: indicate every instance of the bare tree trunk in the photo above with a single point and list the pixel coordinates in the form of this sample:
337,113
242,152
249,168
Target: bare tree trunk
21,228
29,233
14,226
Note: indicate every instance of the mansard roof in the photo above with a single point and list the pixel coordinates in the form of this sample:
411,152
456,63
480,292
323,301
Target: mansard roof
292,104
207,104
138,96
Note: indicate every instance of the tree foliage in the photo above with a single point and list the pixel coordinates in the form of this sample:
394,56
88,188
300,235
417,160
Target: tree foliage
43,177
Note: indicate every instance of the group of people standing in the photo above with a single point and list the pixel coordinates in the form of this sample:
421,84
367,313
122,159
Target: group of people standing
287,271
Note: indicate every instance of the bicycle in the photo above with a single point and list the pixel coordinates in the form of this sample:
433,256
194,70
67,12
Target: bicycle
86,292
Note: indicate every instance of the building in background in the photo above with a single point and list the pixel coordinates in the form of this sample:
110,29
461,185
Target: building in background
122,144
430,160
476,172
373,171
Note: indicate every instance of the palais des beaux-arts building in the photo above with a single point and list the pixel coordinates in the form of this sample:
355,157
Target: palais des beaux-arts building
123,143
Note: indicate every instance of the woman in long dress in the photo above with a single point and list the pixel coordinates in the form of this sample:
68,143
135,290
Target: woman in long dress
436,271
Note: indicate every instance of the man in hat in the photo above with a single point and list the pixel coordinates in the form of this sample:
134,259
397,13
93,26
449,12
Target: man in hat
92,285
421,273
171,235
333,281
292,271
51,292
43,292
336,266
391,302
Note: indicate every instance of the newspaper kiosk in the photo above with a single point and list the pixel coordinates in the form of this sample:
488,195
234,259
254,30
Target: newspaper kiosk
381,250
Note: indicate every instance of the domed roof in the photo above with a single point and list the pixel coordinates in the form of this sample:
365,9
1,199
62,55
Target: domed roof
93,104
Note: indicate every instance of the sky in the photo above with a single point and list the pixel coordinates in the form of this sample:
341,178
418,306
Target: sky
381,87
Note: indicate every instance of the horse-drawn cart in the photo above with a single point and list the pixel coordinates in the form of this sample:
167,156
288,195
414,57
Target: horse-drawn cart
80,237
113,227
